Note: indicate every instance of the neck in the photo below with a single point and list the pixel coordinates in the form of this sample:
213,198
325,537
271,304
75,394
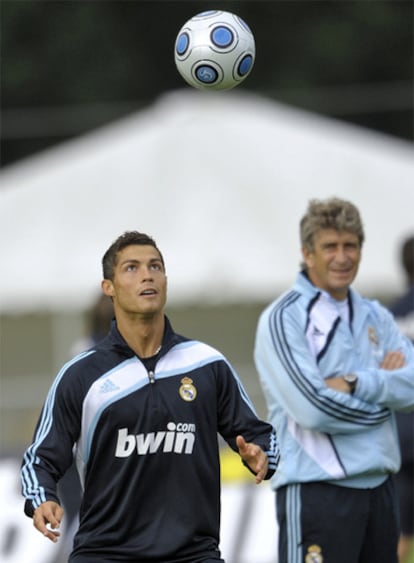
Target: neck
143,336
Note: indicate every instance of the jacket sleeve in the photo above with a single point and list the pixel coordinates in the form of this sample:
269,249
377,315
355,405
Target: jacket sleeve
237,416
292,381
389,388
51,452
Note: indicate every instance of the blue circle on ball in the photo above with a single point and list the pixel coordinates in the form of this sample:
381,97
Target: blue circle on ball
206,74
182,43
222,36
245,65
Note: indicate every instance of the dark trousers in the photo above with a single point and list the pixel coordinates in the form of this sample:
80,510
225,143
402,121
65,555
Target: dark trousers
322,522
100,559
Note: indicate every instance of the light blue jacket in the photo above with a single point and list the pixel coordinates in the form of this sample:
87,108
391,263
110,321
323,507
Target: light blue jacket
326,435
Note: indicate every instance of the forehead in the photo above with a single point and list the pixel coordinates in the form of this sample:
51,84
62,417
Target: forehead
324,236
138,252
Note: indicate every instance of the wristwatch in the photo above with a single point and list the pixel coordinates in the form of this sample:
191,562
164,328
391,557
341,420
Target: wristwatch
352,381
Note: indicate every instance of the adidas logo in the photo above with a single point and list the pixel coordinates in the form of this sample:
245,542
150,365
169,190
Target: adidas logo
108,386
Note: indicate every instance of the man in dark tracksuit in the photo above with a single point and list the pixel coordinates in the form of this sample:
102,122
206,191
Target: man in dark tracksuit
142,410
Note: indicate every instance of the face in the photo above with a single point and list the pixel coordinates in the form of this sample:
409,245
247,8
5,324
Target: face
333,263
139,286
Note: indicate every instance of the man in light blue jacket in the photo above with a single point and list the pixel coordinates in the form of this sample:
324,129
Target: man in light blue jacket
334,367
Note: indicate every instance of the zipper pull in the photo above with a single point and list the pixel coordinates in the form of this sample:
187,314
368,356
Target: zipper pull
151,376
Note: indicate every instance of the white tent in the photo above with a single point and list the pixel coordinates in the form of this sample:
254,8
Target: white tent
219,180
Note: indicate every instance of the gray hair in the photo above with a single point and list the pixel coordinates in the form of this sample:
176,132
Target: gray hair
333,213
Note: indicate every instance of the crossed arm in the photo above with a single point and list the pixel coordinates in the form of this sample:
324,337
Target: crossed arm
391,361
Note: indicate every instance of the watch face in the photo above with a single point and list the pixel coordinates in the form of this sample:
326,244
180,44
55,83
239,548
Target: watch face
350,378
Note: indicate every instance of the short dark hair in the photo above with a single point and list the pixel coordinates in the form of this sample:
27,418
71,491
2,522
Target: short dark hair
129,238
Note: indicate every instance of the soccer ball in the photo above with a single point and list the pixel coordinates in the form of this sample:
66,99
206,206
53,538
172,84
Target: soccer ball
214,50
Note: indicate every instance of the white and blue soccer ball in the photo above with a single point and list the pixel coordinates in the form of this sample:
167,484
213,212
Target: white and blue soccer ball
214,50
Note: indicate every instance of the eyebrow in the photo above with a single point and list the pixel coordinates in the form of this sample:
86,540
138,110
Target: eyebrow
336,243
135,261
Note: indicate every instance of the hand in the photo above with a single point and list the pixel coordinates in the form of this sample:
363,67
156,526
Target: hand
393,360
254,456
47,518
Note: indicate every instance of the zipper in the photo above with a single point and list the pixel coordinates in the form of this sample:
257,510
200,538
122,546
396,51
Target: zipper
151,376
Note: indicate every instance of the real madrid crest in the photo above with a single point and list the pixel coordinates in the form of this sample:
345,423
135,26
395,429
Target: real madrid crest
314,554
372,336
187,390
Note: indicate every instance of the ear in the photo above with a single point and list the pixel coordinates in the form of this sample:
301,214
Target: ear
308,257
107,287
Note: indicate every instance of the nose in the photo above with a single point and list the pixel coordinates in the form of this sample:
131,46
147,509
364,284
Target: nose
147,273
341,254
